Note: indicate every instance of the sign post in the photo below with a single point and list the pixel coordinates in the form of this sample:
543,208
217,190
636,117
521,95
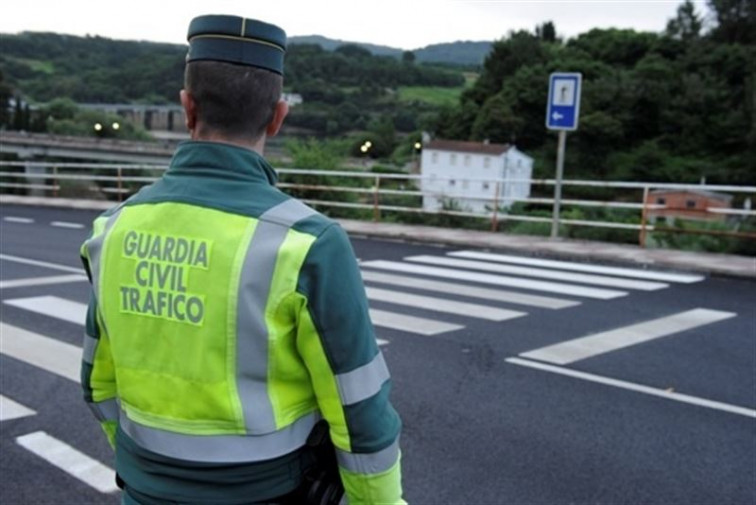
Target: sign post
562,115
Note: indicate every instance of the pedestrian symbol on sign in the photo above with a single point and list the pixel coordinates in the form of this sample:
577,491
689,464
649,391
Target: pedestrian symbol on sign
564,101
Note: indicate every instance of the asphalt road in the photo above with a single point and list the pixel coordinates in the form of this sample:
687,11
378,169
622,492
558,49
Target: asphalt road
658,408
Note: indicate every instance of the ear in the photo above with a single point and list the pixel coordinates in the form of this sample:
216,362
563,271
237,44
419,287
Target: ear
190,109
279,113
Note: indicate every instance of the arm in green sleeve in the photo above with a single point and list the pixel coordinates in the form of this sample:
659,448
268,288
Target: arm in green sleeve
349,375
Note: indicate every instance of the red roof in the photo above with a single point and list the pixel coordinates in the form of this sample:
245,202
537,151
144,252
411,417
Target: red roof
467,147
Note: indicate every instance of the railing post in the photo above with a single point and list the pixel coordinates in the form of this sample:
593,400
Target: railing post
55,182
120,185
644,217
494,218
376,203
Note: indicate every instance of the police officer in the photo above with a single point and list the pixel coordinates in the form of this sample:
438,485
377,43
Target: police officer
226,318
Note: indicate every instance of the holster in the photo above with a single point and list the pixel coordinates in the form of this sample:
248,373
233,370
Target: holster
322,481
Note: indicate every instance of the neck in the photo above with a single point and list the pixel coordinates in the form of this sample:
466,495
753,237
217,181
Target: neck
257,145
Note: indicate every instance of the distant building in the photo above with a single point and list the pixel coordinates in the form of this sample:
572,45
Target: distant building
687,204
471,172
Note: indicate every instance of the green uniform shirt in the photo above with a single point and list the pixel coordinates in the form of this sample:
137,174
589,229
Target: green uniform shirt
226,318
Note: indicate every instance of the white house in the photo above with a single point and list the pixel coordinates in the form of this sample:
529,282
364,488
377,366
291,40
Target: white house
476,175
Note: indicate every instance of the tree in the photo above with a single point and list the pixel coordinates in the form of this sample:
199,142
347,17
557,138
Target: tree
5,95
546,32
408,57
496,121
687,24
736,21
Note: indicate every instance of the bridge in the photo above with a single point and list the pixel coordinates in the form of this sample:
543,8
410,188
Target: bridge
29,146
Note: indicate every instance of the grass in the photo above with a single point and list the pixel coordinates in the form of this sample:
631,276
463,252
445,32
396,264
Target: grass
436,95
433,95
45,67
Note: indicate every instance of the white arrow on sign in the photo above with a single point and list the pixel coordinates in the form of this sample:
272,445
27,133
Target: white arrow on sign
556,116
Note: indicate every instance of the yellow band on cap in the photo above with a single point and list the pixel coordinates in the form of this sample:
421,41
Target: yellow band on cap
239,39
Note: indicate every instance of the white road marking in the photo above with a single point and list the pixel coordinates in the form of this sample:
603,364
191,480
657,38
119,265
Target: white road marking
410,324
495,295
498,280
75,463
612,340
53,266
13,219
53,306
442,305
581,267
42,352
13,410
42,281
597,280
66,224
662,393
381,341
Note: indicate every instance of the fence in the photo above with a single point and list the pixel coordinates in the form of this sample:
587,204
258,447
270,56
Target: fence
377,195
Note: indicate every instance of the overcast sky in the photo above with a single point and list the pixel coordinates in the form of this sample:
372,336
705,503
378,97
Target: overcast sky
407,24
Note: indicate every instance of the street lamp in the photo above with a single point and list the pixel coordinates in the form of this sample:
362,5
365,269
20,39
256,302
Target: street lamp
416,150
97,127
116,126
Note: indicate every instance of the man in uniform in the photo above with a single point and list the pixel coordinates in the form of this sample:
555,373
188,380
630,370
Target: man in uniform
226,318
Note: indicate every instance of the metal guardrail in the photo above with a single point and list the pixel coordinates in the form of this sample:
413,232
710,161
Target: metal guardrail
372,190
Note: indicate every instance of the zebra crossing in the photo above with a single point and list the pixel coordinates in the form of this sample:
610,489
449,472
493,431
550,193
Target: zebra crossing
459,287
472,277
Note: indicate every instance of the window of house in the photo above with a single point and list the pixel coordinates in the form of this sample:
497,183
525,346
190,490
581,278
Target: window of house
661,201
453,159
465,184
691,204
467,160
486,162
452,182
486,185
519,163
434,158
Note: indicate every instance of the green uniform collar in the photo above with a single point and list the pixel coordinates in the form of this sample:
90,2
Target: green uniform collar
192,157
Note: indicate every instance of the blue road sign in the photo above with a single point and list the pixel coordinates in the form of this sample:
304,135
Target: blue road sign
564,101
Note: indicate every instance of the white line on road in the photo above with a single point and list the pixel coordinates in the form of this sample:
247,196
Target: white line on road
581,267
570,351
66,224
53,306
442,305
13,410
495,295
42,281
42,352
410,324
598,280
381,341
53,266
498,280
75,463
13,219
662,393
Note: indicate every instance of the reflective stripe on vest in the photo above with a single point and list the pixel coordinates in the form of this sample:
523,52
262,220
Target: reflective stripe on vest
363,382
107,410
221,448
94,251
252,331
377,462
90,347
